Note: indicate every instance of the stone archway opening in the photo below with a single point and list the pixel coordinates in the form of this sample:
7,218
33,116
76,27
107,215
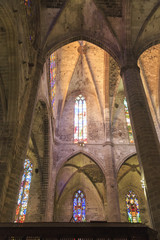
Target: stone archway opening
129,179
80,172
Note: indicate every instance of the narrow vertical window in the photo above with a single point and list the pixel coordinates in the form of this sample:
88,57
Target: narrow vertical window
79,207
24,192
80,120
53,78
132,208
131,139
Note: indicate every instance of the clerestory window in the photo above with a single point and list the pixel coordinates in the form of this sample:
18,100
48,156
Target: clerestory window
80,120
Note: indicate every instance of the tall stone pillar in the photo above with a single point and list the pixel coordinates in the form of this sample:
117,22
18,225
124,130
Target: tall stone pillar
6,148
49,215
145,136
113,210
14,169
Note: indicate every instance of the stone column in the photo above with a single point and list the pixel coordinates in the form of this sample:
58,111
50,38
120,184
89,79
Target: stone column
145,136
113,210
18,153
6,139
49,214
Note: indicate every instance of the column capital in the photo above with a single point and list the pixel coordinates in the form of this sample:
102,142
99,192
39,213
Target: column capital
108,143
131,65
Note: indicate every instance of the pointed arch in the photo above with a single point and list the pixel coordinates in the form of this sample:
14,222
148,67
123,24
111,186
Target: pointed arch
87,154
72,37
79,173
125,158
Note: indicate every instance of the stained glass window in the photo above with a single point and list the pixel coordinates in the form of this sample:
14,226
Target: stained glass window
24,192
131,139
79,207
53,78
27,3
80,120
132,208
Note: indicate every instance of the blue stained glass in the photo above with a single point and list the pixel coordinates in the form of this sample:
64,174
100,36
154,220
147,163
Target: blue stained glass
79,207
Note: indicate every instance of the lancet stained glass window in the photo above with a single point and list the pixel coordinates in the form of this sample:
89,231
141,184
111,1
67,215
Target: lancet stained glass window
24,192
53,78
79,207
132,208
80,120
131,139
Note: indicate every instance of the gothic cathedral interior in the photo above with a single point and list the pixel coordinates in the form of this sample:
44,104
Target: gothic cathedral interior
80,111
